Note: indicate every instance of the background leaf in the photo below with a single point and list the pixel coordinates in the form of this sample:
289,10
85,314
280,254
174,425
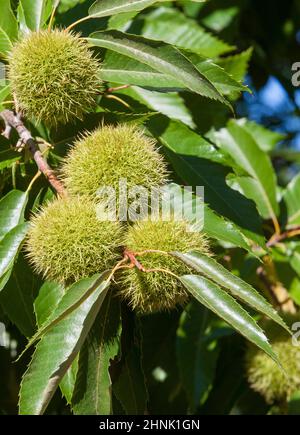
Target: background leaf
222,304
241,146
162,57
41,380
236,286
9,248
93,387
12,207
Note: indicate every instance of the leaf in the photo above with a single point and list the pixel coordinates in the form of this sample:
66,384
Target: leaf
291,199
122,69
4,92
48,299
129,380
188,155
214,226
248,186
172,27
58,348
236,286
18,295
129,387
294,404
10,246
5,278
169,104
35,13
105,8
7,156
5,42
182,140
198,351
8,27
295,258
237,65
224,306
222,81
265,139
50,295
67,384
237,142
92,395
71,300
162,57
12,207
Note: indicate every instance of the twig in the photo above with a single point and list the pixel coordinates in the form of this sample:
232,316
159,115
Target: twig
283,236
118,88
71,26
279,294
55,6
37,175
13,121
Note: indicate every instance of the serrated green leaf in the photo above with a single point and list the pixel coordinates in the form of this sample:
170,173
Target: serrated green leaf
58,348
67,384
188,155
291,199
5,42
224,306
172,27
235,285
197,351
50,295
214,226
130,388
170,104
160,56
18,295
265,139
8,27
122,69
75,296
12,207
34,13
222,81
10,246
4,93
92,394
237,65
106,8
240,145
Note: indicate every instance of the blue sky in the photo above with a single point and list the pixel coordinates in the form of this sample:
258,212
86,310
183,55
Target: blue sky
273,107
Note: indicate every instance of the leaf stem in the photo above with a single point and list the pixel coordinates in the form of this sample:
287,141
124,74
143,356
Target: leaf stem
71,26
277,238
52,16
37,175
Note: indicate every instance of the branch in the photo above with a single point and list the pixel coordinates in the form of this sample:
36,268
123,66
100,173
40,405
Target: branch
284,236
13,121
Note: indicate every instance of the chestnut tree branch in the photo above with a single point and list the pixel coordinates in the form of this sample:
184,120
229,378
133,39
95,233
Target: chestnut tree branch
284,236
14,121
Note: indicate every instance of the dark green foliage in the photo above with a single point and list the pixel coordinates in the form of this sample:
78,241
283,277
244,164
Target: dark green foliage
154,92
